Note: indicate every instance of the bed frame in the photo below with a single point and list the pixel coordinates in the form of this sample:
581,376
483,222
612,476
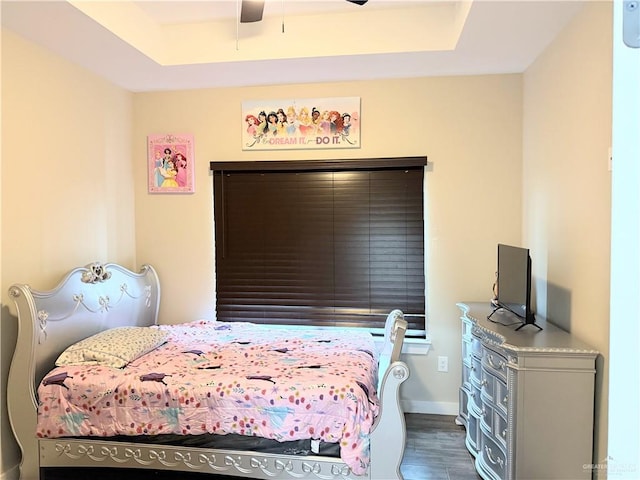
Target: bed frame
100,296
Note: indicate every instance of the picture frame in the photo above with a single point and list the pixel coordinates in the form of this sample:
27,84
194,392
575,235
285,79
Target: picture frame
301,123
170,163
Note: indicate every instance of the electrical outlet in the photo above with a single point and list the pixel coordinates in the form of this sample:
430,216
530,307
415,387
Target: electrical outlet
443,364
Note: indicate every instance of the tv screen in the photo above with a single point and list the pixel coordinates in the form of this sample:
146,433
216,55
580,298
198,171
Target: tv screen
514,282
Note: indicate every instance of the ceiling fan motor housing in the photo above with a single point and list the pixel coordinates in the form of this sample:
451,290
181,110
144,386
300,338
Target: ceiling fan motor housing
252,10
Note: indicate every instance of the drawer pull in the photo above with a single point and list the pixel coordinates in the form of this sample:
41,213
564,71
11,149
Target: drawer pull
504,433
498,366
484,383
493,459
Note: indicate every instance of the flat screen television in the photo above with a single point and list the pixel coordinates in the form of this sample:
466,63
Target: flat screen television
514,283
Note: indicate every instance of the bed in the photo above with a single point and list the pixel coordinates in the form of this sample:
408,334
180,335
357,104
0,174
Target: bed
101,299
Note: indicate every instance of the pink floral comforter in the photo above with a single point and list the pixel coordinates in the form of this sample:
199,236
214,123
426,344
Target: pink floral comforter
216,377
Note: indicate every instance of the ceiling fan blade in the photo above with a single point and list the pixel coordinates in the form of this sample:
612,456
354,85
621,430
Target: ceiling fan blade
358,2
251,11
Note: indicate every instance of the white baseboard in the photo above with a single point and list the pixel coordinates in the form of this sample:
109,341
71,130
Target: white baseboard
11,474
434,408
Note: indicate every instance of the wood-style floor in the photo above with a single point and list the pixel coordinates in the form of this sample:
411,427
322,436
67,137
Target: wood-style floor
435,450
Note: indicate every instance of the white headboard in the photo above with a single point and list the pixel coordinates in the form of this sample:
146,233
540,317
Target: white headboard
88,300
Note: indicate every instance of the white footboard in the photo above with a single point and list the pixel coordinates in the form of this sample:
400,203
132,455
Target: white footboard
388,437
389,434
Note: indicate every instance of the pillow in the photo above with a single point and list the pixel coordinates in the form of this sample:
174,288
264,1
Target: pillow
113,348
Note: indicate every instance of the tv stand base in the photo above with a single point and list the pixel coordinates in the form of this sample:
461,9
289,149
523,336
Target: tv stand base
530,323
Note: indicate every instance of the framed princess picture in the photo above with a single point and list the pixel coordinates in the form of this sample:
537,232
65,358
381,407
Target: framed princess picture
170,163
301,123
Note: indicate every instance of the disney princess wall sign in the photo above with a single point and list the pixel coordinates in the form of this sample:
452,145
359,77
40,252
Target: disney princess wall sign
302,123
170,163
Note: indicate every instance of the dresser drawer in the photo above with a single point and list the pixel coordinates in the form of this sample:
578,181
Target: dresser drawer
474,400
466,375
488,385
463,399
500,429
494,424
476,346
466,348
495,362
475,370
486,417
492,457
501,396
472,439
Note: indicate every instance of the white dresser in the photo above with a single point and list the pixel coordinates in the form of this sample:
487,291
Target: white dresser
527,397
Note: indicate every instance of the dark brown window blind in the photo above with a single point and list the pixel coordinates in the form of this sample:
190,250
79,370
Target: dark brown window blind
320,243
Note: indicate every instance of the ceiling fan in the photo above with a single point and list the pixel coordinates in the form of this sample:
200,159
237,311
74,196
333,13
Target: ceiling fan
251,10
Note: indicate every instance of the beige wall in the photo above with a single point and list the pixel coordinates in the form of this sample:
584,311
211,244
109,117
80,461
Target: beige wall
67,180
470,129
567,207
80,144
67,188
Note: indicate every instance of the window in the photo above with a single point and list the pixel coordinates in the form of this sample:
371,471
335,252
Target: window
320,242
